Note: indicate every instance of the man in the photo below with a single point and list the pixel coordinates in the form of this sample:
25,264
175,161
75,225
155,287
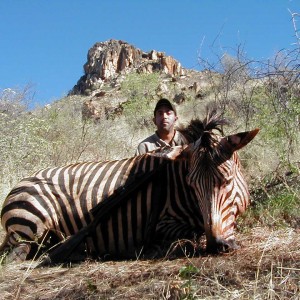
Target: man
165,117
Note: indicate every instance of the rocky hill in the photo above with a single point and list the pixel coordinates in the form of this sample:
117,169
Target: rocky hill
109,62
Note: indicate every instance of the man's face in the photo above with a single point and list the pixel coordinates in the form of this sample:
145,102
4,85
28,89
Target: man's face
165,119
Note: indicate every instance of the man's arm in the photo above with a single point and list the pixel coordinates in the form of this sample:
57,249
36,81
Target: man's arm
149,144
168,152
141,149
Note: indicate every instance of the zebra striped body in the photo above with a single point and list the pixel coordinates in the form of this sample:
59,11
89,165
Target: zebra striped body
126,231
59,200
201,190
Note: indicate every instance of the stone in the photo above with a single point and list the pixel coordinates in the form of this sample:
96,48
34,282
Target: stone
179,98
107,61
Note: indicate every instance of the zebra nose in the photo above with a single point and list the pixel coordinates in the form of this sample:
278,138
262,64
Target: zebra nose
220,245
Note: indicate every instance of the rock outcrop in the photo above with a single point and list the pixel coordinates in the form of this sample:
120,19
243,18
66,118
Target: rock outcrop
109,62
106,61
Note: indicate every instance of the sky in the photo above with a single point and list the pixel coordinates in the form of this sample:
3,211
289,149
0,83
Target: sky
44,44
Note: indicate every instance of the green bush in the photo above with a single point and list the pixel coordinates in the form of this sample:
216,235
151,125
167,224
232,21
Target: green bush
140,91
276,204
278,117
55,135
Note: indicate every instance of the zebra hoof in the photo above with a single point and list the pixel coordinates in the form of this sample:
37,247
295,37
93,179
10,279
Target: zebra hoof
18,254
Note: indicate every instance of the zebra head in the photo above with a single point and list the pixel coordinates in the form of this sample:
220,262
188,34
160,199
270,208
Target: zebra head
216,177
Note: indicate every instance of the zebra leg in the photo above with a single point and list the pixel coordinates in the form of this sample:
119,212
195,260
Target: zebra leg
173,238
14,250
18,253
172,249
23,249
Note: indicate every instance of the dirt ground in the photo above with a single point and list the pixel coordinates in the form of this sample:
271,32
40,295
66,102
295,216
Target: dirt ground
266,267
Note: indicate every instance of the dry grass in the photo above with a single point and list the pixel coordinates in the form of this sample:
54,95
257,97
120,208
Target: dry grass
266,267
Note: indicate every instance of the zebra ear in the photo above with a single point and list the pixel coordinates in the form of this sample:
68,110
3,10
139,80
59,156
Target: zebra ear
237,141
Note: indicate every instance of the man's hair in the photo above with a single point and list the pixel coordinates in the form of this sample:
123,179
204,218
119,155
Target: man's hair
164,102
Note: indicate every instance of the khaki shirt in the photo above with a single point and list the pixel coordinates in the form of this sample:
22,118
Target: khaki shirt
153,142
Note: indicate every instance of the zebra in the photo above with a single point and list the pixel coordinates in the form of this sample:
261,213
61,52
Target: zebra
198,190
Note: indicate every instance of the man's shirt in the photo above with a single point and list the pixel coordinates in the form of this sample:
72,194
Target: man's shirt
153,142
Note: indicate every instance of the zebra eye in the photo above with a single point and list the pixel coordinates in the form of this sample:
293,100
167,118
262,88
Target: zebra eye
228,180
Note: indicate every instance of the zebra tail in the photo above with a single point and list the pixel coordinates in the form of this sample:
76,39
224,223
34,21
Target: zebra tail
64,251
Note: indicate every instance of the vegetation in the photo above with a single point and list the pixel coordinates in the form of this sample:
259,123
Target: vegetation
250,93
140,90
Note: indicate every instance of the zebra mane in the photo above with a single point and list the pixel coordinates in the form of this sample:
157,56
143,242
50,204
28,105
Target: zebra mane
205,135
207,130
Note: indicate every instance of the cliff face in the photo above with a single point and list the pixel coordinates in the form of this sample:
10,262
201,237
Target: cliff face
106,61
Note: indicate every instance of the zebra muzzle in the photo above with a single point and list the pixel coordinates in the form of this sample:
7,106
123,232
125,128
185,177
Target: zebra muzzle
220,245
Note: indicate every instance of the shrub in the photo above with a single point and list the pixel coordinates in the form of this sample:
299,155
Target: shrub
140,90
